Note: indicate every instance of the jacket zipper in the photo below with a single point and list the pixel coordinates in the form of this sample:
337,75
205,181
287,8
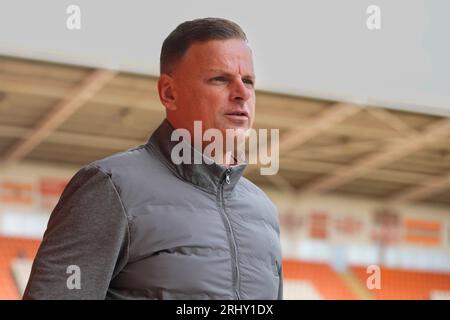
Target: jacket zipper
229,230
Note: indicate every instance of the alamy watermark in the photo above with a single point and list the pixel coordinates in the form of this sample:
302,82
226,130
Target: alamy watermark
73,21
374,280
373,21
211,146
74,280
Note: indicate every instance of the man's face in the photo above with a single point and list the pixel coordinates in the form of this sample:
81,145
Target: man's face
214,83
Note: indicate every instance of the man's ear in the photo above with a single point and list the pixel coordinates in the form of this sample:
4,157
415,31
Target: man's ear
166,92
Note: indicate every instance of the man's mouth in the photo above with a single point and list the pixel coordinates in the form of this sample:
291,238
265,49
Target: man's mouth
237,115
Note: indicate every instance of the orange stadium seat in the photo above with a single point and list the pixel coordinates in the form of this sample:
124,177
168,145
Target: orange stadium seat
329,284
406,284
10,248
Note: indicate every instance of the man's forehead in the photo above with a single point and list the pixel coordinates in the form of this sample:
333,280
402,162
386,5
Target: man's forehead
221,51
226,58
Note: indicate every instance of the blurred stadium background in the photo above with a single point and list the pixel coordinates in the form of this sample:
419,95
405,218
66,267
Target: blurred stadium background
359,185
356,187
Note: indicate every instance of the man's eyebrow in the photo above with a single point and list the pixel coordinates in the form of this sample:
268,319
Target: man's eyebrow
250,75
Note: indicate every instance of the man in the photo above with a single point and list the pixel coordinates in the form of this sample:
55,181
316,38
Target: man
138,225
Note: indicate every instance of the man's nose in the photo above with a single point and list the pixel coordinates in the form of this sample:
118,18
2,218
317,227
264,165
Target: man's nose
240,91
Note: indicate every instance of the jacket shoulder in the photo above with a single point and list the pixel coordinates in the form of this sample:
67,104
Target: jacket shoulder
124,161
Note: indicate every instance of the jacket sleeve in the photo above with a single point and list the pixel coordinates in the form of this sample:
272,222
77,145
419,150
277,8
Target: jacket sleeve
86,241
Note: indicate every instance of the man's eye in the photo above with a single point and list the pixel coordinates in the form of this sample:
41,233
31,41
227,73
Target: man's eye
220,79
248,81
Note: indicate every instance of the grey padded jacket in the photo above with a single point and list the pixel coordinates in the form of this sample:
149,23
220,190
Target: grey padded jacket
137,226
